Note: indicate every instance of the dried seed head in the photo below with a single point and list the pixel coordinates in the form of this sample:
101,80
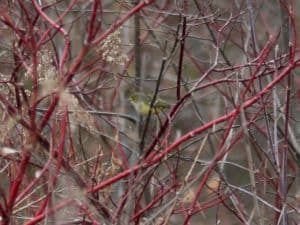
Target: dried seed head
78,115
111,49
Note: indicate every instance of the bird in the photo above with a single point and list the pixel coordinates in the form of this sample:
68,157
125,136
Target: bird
142,104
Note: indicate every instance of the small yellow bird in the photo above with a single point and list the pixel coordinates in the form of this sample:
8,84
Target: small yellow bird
142,104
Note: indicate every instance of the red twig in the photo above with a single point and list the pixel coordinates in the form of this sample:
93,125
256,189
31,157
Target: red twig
16,184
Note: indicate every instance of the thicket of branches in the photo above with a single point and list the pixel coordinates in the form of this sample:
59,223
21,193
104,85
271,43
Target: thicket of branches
74,150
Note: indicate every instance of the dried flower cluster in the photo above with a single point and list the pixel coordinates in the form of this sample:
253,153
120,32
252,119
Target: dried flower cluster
110,49
79,116
47,74
7,122
3,85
